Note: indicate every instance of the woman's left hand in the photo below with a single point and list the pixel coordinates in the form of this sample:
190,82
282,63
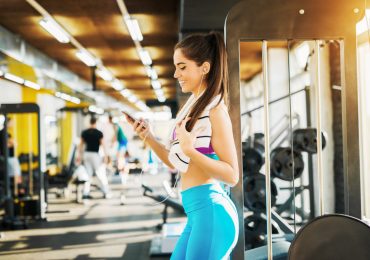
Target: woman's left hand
186,139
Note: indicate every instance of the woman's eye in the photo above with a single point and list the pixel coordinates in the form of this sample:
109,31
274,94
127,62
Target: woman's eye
182,68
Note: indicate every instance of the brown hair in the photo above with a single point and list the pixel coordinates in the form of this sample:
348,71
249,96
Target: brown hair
207,48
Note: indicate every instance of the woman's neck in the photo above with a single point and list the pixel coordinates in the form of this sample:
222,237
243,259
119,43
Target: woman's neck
197,93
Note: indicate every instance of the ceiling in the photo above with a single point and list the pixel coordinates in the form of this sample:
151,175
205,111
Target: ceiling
98,26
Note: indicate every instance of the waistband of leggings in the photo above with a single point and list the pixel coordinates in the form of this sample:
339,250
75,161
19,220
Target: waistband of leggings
201,196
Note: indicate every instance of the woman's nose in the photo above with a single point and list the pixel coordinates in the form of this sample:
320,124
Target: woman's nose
176,74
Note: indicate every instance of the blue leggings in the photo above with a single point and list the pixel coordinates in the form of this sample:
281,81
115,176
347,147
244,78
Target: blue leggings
212,229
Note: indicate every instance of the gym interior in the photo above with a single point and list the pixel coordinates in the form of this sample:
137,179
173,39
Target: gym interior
299,92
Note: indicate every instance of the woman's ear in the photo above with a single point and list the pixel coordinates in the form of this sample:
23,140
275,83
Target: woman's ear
206,66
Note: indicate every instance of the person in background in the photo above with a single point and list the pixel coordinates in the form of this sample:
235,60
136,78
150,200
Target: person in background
88,151
121,148
110,143
13,169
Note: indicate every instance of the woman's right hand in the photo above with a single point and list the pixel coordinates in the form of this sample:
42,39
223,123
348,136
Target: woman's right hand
142,128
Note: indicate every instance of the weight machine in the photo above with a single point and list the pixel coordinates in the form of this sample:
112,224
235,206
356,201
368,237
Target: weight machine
31,205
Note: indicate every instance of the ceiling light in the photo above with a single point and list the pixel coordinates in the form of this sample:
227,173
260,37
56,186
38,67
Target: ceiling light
125,93
117,85
132,99
151,72
75,100
159,92
154,74
156,84
134,29
31,84
52,27
161,99
14,78
67,97
96,109
86,57
105,74
145,57
148,70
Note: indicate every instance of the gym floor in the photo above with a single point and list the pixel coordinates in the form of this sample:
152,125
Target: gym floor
96,229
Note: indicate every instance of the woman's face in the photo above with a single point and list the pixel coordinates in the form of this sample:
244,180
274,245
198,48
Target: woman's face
188,73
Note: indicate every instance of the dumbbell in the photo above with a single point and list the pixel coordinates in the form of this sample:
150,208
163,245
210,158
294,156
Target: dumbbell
282,161
253,154
305,140
255,230
255,192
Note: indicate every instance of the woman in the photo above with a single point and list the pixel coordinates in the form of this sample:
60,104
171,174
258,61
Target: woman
202,149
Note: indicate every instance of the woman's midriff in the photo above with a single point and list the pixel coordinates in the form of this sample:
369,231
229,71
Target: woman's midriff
194,177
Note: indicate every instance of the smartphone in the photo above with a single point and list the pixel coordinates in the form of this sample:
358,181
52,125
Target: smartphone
130,118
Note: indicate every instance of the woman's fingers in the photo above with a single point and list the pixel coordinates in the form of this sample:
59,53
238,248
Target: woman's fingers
141,128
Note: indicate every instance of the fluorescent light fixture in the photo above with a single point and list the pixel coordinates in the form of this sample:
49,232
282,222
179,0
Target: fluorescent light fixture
133,28
156,84
143,107
14,78
145,57
31,84
159,92
132,99
154,75
75,100
148,70
86,57
139,103
104,74
151,72
52,27
96,109
125,93
117,85
161,99
67,97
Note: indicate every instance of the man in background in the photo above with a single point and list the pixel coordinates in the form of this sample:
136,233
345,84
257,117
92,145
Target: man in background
88,150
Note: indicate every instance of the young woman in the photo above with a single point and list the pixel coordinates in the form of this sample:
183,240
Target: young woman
202,149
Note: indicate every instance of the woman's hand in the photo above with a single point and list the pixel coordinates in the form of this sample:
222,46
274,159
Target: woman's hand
142,128
186,139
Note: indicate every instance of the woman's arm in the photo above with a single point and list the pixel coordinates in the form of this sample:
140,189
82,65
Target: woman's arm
226,169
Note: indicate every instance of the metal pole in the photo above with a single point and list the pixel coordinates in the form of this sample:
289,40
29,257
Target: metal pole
309,157
318,123
267,145
291,139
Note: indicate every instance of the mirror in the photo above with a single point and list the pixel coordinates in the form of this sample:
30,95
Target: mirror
294,173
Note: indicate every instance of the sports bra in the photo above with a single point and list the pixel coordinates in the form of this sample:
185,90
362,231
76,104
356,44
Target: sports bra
203,141
207,151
